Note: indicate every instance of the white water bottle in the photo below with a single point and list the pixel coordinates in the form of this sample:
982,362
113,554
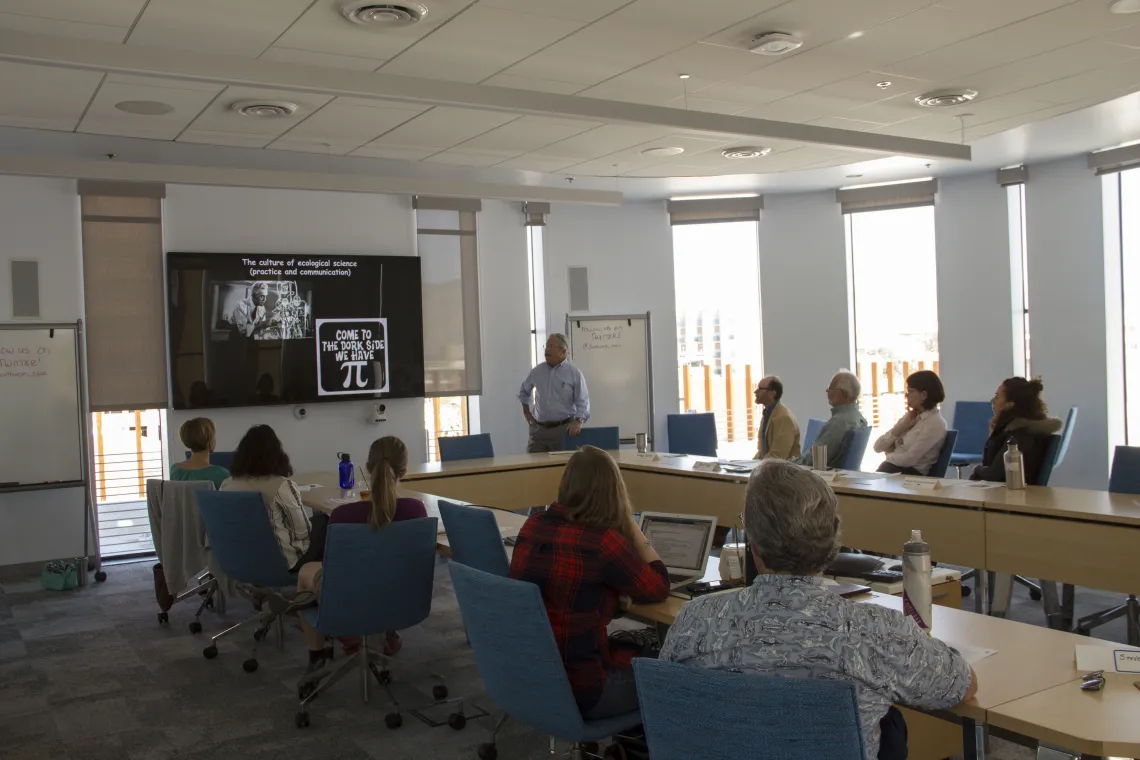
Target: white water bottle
916,580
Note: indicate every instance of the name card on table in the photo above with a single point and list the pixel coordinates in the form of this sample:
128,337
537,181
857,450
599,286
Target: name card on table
828,475
650,456
920,483
706,467
1106,658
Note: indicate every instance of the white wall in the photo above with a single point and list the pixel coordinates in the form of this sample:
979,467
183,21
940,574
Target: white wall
1067,309
628,252
39,219
804,297
975,318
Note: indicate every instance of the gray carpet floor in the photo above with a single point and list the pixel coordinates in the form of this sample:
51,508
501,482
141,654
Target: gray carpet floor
90,675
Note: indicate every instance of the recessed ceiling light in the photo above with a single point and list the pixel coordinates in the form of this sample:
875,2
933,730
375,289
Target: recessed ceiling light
745,151
855,35
854,176
945,98
1124,6
663,151
883,84
774,43
145,107
264,109
383,15
683,76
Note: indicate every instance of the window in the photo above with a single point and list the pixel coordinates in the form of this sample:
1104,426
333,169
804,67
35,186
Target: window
1019,269
128,447
716,271
444,416
535,236
1122,197
894,300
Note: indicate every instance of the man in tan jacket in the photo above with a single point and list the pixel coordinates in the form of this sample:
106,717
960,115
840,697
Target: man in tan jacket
779,433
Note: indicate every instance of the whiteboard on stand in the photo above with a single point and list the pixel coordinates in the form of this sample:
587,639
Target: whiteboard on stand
615,356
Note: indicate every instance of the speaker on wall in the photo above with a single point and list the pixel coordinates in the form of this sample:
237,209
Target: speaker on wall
26,289
579,289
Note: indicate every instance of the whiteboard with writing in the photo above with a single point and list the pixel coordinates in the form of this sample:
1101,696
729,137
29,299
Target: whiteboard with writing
613,354
41,406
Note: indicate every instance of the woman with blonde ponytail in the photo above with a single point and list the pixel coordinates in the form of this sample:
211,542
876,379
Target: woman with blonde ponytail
387,463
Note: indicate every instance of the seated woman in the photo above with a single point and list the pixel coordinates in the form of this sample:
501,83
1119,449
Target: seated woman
1019,415
261,464
387,463
584,552
913,444
788,624
198,436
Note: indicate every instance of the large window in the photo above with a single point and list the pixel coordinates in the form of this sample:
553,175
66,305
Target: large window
536,283
1019,269
128,448
894,297
1122,192
717,278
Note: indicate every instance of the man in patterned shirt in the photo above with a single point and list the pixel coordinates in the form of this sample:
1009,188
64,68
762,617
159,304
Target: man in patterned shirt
787,623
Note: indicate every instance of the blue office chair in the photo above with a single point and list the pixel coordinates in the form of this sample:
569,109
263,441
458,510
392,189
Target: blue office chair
942,464
1067,434
693,434
972,421
854,447
245,549
474,538
811,432
219,458
603,437
373,581
453,447
1124,478
519,660
685,710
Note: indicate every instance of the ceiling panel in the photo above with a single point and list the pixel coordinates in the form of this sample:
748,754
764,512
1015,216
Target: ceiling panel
241,27
1104,82
524,135
533,163
839,122
311,58
109,12
322,29
341,127
710,106
539,85
439,129
478,43
461,158
234,139
102,32
219,118
601,141
1050,66
585,11
43,96
399,154
631,159
104,119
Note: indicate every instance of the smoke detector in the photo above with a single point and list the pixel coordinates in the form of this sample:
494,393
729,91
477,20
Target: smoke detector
774,43
264,109
745,151
673,151
383,15
945,98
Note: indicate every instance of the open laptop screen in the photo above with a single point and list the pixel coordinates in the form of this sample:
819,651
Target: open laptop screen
682,542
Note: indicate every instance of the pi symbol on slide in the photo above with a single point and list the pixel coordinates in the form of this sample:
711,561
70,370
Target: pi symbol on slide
354,368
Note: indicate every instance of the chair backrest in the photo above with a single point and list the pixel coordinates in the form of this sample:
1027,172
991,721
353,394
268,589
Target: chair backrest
514,647
603,437
474,538
811,432
686,709
453,447
377,580
972,421
1048,462
854,447
219,458
692,434
938,469
1125,477
1067,434
242,540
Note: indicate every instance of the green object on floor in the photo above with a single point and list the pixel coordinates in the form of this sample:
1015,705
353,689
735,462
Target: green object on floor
59,576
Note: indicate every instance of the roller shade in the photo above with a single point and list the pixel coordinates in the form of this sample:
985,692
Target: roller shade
1013,175
535,213
426,203
713,210
883,197
1115,160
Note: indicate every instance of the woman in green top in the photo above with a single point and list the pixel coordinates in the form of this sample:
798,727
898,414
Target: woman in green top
198,436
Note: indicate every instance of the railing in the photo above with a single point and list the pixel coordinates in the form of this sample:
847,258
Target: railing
445,421
128,450
884,387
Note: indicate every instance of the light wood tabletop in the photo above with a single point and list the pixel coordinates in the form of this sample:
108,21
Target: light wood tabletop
1070,503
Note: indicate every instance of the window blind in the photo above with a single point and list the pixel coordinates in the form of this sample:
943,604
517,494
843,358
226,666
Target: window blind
714,210
1013,175
883,197
426,203
123,298
535,213
1115,159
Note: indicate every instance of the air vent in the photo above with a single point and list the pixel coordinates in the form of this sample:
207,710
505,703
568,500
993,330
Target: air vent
774,43
384,15
264,109
745,151
945,98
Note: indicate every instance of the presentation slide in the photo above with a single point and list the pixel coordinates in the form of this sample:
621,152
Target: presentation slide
249,330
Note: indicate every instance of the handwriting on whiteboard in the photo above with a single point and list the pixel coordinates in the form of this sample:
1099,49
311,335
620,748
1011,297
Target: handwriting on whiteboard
23,361
602,337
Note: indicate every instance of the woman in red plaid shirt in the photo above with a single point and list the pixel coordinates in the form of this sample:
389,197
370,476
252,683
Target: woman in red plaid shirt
584,552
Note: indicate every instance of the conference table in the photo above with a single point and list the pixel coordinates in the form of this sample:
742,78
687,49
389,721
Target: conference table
1028,688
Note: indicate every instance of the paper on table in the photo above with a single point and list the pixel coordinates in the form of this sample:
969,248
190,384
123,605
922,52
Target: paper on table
973,655
955,483
561,453
308,487
864,475
1115,659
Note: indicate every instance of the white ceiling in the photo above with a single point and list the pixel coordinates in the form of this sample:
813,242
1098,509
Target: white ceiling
1030,60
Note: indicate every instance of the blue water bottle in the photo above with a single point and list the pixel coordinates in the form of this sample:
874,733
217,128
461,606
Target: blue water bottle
347,478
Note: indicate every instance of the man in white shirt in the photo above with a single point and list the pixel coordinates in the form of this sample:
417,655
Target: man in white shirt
913,444
554,398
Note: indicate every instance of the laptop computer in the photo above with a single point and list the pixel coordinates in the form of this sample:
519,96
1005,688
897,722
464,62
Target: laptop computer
682,541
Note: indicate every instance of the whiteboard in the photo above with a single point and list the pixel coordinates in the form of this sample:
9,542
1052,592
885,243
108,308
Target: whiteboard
41,406
613,354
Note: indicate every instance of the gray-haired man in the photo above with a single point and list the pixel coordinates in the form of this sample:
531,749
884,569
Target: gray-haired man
554,398
843,395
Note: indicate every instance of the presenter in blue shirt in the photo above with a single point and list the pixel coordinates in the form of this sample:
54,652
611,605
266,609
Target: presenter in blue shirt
554,398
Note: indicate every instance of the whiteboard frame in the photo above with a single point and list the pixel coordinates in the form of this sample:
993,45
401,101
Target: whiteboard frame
90,533
571,318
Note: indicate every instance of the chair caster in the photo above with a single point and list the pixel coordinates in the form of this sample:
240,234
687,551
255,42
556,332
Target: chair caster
1035,595
439,692
250,665
966,590
393,720
488,752
100,576
457,721
305,690
301,719
163,618
195,626
385,677
259,634
210,652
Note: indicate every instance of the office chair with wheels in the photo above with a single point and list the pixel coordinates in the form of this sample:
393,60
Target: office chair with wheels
520,664
942,464
685,710
602,437
693,434
455,447
219,458
972,421
854,448
811,432
474,538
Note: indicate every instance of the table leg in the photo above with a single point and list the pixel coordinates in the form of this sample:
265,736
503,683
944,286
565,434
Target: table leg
981,591
1002,594
973,740
1052,604
1068,602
